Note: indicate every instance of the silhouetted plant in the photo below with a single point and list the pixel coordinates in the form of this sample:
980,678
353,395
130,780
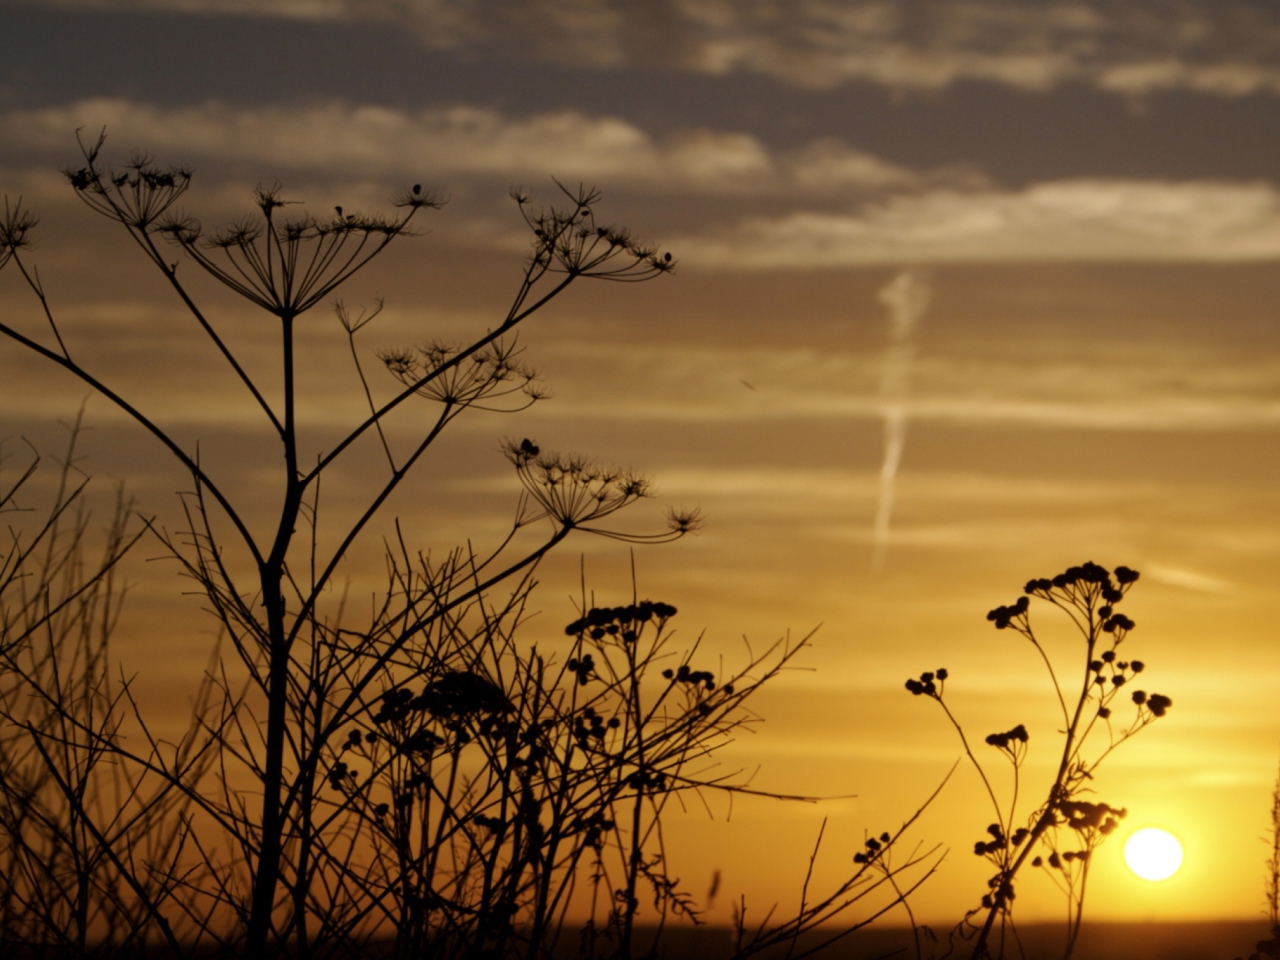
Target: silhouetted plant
1271,946
496,789
821,921
1273,861
76,828
306,685
1061,833
410,769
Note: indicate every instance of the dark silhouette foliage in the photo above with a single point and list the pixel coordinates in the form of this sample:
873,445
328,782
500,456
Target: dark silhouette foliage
409,779
1060,833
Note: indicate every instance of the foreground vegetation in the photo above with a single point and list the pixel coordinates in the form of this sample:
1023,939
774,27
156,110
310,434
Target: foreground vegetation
416,774
417,780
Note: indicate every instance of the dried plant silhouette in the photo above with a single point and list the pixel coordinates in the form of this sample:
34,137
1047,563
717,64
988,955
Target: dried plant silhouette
74,825
1273,862
1099,711
412,773
1271,946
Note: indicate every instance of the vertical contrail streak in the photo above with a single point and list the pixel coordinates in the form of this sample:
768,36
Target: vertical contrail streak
907,297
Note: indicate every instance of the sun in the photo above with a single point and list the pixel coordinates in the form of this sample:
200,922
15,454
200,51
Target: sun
1153,854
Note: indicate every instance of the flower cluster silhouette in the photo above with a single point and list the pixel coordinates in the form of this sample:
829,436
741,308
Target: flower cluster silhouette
1065,825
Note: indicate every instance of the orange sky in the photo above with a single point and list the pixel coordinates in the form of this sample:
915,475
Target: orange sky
1094,375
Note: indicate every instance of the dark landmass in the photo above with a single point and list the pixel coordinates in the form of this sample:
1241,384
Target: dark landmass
1098,941
1223,940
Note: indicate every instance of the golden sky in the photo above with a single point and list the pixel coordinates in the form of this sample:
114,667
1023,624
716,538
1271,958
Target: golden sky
1029,246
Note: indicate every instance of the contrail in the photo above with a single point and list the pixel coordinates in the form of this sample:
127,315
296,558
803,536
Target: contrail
907,297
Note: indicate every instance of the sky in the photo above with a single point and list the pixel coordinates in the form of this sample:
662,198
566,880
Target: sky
968,291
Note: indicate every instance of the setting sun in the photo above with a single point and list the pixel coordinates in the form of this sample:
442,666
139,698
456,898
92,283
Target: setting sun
1153,854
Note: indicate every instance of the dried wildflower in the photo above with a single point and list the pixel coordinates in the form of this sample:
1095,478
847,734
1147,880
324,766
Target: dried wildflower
875,849
15,229
285,265
462,377
1009,740
137,196
569,240
1003,616
1088,593
412,686
644,612
572,491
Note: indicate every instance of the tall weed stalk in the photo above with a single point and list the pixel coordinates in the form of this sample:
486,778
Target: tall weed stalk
1063,826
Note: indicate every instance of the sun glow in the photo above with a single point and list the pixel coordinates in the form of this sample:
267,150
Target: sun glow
1153,854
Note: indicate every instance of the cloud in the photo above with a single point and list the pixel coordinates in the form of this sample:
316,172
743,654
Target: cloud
1138,47
899,215
368,140
1158,76
628,381
788,484
830,164
1186,579
1151,413
1098,388
282,9
1081,220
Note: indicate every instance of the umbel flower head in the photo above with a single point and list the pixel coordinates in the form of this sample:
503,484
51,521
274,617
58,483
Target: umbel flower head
445,373
575,493
1089,586
1008,739
1089,589
568,240
1083,815
930,684
15,229
138,195
284,264
624,622
875,848
287,265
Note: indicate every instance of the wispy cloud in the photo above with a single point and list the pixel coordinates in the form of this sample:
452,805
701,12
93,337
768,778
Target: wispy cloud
366,140
1085,220
1138,47
907,297
283,9
847,207
1161,75
623,381
757,485
1096,388
1186,579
